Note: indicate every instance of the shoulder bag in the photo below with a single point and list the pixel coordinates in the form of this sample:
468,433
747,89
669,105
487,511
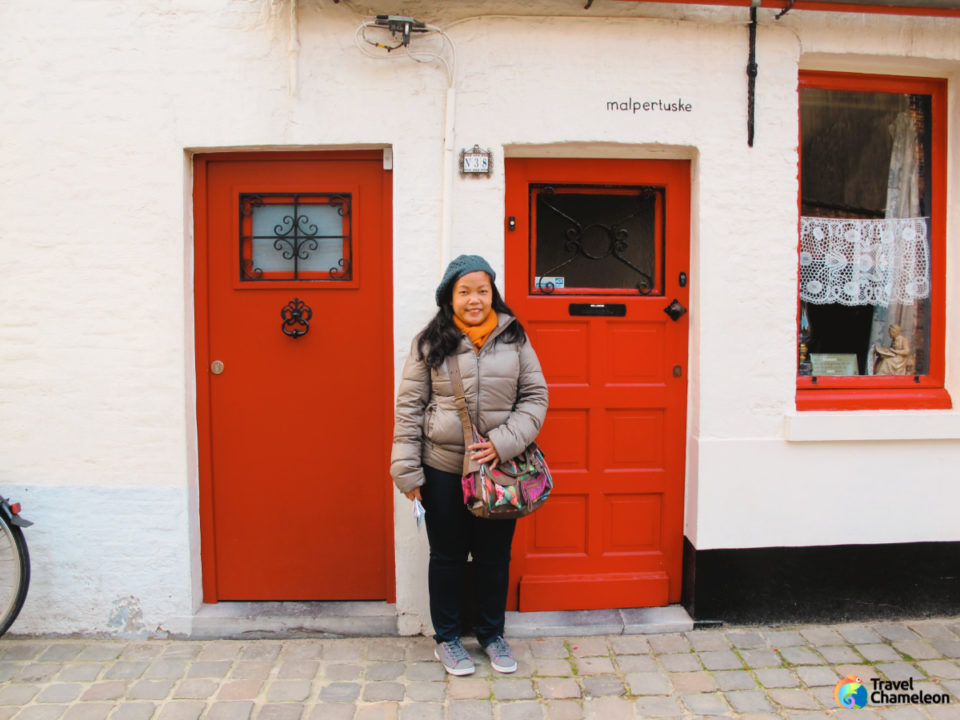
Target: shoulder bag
515,487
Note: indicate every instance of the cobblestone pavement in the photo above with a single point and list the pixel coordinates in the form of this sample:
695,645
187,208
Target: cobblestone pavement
763,672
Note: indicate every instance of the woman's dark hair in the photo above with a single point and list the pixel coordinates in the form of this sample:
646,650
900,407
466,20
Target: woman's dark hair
441,336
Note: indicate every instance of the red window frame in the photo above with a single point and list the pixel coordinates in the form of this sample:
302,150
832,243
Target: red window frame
892,392
342,200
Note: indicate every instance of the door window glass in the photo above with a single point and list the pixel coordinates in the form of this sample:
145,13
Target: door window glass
597,239
295,237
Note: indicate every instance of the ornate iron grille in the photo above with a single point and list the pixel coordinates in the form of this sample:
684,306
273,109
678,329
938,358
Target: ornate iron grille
299,236
605,239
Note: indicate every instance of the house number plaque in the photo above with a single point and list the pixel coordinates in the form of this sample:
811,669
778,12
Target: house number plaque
476,161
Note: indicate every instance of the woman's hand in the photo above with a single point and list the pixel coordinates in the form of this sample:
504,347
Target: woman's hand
414,495
484,452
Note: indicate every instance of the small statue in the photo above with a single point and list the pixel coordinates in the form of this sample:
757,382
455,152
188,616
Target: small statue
893,360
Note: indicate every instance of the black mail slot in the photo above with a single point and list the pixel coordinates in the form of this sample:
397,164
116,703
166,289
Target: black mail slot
605,309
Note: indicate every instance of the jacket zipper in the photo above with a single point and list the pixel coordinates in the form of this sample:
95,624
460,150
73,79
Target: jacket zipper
477,356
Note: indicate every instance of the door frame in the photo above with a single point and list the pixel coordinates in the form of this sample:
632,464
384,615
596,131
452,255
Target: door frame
201,290
676,172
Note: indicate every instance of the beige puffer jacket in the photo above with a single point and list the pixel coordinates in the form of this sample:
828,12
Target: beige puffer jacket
506,395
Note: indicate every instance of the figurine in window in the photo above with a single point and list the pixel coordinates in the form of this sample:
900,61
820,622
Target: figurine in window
893,360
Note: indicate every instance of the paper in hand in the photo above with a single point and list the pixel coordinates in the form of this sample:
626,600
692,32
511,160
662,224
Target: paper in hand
418,511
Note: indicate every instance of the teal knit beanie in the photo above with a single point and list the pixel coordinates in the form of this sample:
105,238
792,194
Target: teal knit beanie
458,267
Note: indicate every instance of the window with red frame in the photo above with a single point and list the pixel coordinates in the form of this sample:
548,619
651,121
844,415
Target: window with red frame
871,255
299,237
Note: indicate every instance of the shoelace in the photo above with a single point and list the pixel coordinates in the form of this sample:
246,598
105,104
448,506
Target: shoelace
501,647
458,651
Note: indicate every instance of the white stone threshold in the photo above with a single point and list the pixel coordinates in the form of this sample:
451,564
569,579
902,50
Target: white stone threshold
627,621
256,620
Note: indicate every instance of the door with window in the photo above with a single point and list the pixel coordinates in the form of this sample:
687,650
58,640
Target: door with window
294,375
597,256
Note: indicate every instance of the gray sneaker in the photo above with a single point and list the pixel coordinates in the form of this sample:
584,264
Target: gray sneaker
501,656
455,658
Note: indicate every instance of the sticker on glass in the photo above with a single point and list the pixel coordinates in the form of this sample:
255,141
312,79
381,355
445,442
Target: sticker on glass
548,283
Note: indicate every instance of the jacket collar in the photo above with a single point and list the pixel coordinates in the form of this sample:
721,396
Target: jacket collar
503,320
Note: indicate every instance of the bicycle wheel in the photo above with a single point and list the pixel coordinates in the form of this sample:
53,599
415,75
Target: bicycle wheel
14,573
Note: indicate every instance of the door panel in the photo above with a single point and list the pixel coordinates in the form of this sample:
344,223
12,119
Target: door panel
595,257
294,299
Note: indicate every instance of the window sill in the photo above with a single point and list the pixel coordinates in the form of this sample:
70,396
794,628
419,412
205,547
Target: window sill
877,398
872,425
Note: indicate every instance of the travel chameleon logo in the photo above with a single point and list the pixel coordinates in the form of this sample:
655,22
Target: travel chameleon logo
850,693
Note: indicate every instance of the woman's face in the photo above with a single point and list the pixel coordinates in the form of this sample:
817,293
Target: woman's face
473,297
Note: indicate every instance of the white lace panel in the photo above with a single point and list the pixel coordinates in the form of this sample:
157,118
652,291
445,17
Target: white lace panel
864,262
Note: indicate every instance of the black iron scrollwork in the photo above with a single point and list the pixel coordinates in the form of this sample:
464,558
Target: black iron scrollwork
614,241
249,271
248,203
297,236
342,271
342,203
296,316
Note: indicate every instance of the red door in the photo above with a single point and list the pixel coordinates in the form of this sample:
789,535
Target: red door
294,375
598,252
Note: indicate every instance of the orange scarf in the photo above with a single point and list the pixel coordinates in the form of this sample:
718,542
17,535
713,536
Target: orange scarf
478,334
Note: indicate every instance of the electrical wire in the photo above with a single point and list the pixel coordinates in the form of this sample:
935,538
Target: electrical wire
426,56
362,40
360,34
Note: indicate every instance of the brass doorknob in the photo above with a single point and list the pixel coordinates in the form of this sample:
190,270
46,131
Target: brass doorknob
216,367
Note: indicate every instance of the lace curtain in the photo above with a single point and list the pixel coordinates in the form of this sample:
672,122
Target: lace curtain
903,201
864,262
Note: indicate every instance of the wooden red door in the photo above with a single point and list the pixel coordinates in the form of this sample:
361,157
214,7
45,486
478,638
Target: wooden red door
294,375
597,251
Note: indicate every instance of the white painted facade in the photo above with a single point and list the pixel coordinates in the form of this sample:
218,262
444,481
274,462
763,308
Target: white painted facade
105,103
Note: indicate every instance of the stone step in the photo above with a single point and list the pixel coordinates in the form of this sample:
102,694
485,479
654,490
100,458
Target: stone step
628,621
372,619
294,620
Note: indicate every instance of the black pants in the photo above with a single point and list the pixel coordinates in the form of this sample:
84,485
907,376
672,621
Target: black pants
453,532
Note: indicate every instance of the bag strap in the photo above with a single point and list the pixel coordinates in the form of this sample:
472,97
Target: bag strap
453,369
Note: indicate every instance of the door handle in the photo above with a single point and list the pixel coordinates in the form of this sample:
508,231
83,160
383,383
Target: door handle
675,310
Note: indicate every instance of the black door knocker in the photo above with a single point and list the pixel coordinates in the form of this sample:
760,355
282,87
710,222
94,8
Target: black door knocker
296,316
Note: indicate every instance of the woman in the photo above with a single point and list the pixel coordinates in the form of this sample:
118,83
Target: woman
507,399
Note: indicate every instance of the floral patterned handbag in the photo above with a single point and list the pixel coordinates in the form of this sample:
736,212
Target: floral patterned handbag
515,487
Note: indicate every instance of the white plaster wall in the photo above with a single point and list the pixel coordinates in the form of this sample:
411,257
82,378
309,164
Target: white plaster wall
834,478
98,125
748,483
97,392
